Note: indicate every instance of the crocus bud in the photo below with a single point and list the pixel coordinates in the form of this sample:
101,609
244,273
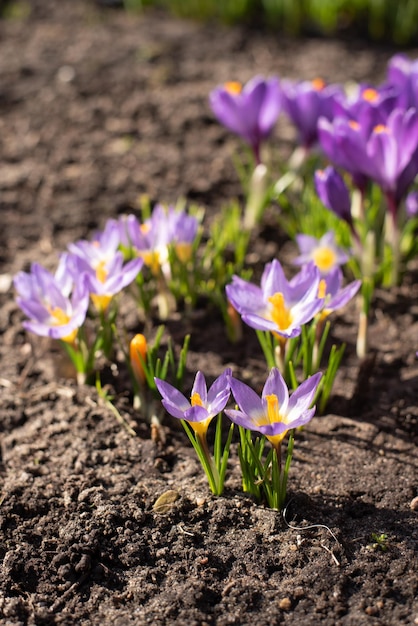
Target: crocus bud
333,192
138,354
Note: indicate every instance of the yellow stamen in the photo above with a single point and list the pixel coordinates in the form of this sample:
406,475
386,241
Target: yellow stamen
196,400
322,289
200,428
354,125
183,251
318,84
233,87
145,228
279,313
60,318
101,271
273,413
324,258
370,95
273,416
151,260
138,353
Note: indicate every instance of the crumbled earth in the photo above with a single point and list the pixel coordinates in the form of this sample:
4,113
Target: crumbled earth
98,108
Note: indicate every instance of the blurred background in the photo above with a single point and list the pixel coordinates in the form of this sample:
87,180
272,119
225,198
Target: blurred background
395,21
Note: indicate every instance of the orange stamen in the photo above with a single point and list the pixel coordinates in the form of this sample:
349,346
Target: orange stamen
370,95
233,87
380,128
318,84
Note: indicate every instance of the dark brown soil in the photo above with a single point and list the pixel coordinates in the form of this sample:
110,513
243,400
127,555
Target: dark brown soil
97,108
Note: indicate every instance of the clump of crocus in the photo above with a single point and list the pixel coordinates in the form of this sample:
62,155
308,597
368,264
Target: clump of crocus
249,111
290,319
196,414
273,415
102,263
166,235
102,266
56,308
382,148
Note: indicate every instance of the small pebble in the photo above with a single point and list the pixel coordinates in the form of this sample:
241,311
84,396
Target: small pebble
414,504
285,604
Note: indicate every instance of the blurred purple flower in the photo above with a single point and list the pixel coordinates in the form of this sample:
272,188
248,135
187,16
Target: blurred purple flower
151,239
368,105
305,102
333,192
388,154
335,296
402,73
324,252
101,248
250,111
107,278
204,404
278,305
45,299
275,412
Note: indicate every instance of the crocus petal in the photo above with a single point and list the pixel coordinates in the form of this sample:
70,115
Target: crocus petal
302,397
199,388
276,385
219,392
343,296
196,414
241,419
244,296
173,400
248,401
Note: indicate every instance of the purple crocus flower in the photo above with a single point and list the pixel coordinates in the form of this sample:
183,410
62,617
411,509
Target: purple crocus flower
101,248
305,102
275,413
278,305
386,153
250,111
402,73
335,296
204,404
150,238
182,232
392,152
333,192
45,299
108,278
324,252
367,104
340,140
